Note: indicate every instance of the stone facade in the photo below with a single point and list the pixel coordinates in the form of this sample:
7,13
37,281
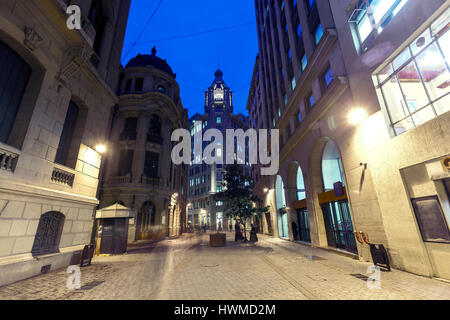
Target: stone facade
65,72
385,168
140,172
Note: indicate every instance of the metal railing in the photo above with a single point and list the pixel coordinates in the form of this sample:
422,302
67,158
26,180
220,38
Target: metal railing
62,177
8,160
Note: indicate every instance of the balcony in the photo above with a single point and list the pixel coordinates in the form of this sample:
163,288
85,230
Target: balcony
121,179
8,158
152,181
62,177
155,139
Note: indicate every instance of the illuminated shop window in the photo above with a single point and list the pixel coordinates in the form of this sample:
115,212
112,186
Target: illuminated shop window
414,87
372,16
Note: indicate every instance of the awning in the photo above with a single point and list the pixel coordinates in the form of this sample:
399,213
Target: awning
115,211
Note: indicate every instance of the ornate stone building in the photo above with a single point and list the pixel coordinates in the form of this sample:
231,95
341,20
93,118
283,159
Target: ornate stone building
206,180
56,95
140,173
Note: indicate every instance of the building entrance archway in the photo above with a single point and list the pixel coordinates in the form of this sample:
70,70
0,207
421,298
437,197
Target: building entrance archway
334,201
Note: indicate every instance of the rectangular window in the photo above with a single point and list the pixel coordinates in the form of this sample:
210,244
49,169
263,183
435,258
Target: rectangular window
327,77
310,100
125,162
14,76
293,83
299,31
128,86
431,220
219,120
65,142
373,16
304,62
151,164
309,5
139,85
415,86
318,34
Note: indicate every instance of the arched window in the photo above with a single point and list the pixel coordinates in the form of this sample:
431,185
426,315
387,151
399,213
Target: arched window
154,129
97,19
48,233
279,193
331,166
301,193
14,76
282,217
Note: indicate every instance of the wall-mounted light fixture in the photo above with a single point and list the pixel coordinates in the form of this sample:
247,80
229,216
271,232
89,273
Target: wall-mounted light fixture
100,148
356,116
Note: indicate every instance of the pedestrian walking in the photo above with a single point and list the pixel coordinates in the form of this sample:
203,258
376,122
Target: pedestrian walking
238,233
294,230
253,235
231,227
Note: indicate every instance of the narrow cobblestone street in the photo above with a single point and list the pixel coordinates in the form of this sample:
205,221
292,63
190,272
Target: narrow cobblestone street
188,269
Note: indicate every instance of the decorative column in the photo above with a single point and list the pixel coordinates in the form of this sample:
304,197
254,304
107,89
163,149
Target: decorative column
139,151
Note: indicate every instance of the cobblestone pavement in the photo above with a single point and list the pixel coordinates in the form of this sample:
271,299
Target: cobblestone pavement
188,269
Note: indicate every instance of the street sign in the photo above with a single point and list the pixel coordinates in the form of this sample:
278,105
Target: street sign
446,163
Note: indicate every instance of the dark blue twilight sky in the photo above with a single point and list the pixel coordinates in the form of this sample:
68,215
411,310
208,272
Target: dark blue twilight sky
195,58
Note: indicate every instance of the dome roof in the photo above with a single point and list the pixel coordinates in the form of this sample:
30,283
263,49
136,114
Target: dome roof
146,60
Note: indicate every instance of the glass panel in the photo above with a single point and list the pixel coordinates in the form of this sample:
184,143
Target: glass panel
364,28
403,126
442,105
394,100
412,85
304,62
380,8
441,24
319,34
423,115
401,58
434,72
385,73
431,219
421,42
444,43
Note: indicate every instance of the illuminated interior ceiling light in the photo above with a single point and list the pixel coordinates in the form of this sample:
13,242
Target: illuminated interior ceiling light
356,116
100,148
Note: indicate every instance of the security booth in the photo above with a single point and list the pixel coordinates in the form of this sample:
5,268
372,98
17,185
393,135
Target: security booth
112,229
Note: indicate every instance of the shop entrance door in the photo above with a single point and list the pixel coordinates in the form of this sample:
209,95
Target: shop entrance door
339,226
303,225
283,224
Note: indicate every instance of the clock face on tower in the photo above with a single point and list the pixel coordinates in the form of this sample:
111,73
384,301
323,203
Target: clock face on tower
218,94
